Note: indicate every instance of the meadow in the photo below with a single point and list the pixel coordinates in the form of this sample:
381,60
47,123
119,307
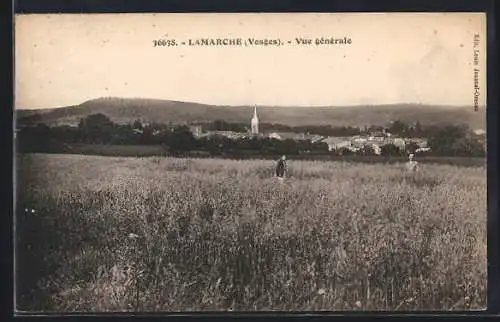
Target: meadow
113,150
98,233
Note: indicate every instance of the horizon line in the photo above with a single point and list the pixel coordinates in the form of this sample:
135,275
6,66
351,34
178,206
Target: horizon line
237,105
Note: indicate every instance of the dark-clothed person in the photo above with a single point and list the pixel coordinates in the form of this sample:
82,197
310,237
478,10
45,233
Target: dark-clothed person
281,167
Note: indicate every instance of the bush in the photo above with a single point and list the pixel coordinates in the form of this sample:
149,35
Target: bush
391,150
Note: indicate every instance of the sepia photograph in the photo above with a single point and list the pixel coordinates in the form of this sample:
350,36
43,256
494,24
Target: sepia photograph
250,162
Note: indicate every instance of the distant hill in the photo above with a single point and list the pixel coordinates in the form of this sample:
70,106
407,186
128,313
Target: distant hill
126,110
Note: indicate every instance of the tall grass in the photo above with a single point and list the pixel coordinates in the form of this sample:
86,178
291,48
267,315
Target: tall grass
160,234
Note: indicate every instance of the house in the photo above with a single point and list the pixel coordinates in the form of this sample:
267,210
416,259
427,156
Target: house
274,135
227,134
196,130
335,143
399,142
377,136
314,138
421,142
419,150
289,136
358,141
295,136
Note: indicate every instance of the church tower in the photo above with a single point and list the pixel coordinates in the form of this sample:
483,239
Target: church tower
255,122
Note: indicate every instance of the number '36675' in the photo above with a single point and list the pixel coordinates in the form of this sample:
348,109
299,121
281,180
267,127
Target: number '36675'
164,43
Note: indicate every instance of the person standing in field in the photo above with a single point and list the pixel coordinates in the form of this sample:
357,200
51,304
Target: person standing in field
412,165
281,167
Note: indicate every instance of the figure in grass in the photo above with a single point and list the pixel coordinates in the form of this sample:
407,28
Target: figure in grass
411,165
281,168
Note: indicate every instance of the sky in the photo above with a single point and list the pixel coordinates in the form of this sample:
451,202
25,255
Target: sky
66,59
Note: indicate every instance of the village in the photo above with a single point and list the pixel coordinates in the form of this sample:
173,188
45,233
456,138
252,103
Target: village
222,137
375,140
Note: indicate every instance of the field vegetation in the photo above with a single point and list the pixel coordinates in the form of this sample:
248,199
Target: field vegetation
163,234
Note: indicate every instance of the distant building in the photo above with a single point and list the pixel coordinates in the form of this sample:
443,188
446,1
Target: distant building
225,134
422,143
275,136
358,139
290,136
314,138
377,136
255,122
335,143
399,142
420,150
196,130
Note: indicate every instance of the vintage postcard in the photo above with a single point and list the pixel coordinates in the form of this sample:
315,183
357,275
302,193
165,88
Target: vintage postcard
250,162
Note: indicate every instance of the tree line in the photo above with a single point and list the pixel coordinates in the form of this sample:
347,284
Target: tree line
397,128
449,140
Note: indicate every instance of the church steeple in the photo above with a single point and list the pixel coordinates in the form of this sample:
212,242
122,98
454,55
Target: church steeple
255,122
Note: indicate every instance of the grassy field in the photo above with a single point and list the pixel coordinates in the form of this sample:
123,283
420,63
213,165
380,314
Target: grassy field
157,150
158,234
